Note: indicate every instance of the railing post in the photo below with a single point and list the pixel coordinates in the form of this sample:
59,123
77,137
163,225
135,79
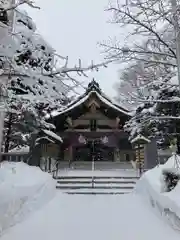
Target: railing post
93,171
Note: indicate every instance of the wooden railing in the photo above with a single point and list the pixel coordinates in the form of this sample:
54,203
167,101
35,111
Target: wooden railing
14,156
23,157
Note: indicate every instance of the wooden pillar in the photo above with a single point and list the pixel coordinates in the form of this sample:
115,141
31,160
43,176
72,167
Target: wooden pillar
122,156
116,155
70,155
66,154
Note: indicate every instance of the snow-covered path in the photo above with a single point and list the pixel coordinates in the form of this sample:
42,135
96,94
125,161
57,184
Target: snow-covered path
77,217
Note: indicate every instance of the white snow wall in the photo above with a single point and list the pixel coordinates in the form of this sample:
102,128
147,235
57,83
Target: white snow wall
17,202
164,205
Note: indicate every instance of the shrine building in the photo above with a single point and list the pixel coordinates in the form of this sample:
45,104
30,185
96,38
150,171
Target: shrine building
92,127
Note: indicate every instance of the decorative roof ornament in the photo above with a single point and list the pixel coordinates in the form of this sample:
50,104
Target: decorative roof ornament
82,139
69,121
93,108
104,140
93,86
117,121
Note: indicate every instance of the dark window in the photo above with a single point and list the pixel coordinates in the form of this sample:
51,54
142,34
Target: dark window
127,157
93,125
3,16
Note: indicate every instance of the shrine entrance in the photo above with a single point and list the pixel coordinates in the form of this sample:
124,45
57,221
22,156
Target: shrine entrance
92,129
93,149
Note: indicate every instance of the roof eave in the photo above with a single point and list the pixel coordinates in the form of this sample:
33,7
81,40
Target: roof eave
84,98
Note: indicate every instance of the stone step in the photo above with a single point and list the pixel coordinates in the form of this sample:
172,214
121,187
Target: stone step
95,181
101,185
97,177
91,187
96,193
114,190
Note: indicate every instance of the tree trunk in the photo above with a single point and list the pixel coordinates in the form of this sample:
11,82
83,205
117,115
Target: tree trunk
8,135
178,144
5,80
2,116
35,151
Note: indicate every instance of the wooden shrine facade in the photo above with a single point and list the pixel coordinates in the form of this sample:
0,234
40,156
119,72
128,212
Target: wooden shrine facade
92,127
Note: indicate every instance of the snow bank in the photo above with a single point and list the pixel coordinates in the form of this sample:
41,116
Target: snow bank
151,186
23,189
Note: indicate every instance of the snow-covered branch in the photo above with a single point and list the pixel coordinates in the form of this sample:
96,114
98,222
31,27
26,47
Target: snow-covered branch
150,34
126,15
148,79
165,117
78,69
126,50
126,54
18,3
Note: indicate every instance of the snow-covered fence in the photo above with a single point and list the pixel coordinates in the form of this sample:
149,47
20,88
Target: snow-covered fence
49,165
18,154
14,156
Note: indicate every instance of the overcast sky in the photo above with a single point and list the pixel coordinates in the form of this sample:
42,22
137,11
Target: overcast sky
73,28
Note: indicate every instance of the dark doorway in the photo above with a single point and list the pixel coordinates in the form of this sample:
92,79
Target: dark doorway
93,149
82,153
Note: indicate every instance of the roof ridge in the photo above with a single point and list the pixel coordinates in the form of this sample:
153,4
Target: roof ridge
93,86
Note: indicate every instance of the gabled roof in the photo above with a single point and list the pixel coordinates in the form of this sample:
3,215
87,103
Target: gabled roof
139,138
93,88
48,137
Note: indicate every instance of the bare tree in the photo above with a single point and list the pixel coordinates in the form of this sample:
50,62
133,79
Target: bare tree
149,21
149,50
150,54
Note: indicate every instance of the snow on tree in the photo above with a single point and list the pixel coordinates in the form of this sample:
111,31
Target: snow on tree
136,80
32,57
22,94
149,50
149,54
31,71
8,5
158,116
150,28
33,66
16,129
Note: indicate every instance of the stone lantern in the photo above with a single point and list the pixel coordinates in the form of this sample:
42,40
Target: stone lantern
138,144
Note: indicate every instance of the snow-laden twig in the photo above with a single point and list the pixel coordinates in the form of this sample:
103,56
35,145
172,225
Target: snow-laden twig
18,3
78,69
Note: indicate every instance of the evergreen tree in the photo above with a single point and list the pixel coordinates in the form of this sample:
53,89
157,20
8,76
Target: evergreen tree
158,117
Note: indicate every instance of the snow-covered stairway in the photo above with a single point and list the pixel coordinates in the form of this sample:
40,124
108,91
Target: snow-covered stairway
96,184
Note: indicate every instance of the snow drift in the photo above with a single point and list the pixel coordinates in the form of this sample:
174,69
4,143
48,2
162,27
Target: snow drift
151,187
23,190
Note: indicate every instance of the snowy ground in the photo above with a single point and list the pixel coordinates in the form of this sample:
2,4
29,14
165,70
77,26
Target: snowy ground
76,217
93,218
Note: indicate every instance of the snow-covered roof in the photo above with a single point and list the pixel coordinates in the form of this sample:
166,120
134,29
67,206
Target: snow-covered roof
140,137
93,88
53,135
20,149
44,138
